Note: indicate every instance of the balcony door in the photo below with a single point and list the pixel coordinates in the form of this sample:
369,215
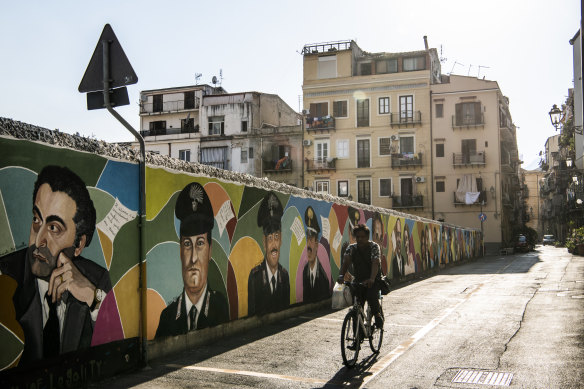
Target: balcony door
406,190
468,148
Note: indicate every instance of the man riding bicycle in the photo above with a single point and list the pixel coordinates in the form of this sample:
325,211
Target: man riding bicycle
364,256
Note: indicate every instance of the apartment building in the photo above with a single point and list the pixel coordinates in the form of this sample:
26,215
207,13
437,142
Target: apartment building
534,202
248,132
475,159
367,124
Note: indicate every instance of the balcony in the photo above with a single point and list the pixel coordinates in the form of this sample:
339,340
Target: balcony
169,106
320,164
463,159
468,121
283,165
320,124
407,201
405,118
406,160
482,197
170,131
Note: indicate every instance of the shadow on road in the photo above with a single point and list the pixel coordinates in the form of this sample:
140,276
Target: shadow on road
354,377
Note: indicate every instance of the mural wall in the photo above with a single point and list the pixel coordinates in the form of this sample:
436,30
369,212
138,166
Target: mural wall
215,251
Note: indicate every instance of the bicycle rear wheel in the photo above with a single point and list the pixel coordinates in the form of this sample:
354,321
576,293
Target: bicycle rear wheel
376,337
350,343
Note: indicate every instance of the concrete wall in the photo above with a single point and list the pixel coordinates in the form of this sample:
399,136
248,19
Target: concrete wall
237,248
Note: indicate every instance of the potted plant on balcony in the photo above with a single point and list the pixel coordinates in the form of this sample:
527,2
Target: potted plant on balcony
575,243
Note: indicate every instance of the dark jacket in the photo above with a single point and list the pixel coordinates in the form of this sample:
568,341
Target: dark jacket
77,327
173,319
321,289
260,299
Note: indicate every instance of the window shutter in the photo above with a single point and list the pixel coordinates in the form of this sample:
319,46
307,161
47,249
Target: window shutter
458,114
477,110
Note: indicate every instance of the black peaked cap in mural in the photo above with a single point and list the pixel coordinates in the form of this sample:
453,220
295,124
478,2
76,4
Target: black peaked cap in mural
270,214
193,209
353,217
311,222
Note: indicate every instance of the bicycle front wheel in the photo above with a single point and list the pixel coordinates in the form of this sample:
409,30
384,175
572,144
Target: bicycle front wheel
350,342
376,337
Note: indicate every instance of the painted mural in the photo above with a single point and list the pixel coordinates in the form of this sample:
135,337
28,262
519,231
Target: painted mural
215,251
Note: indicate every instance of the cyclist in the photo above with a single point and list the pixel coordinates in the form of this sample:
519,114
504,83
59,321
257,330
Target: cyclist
364,255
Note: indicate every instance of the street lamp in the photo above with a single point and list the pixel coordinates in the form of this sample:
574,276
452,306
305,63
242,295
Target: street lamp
555,114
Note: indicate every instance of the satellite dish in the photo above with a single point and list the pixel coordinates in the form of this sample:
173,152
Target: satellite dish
214,80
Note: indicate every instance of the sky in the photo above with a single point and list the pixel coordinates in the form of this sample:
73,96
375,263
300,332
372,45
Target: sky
255,44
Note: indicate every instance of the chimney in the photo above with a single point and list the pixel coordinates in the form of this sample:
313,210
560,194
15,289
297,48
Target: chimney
426,42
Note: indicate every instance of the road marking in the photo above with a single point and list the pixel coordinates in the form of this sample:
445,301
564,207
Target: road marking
320,318
397,352
251,374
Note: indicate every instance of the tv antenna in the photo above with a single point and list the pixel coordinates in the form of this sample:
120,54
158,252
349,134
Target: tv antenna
198,77
479,73
442,59
455,63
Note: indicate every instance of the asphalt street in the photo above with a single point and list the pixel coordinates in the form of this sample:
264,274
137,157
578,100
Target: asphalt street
501,321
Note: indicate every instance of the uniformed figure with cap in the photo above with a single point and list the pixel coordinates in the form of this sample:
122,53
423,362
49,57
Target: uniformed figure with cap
354,217
197,306
268,288
315,283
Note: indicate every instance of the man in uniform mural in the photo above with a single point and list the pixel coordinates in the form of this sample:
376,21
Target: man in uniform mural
397,260
315,282
59,293
268,287
198,306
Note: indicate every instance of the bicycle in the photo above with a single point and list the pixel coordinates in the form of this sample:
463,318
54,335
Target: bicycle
357,323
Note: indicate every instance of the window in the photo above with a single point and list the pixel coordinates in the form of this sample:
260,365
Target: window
216,125
189,100
406,108
243,155
157,105
468,148
440,186
157,127
322,150
343,148
244,126
340,109
214,156
363,156
384,146
365,69
468,114
385,187
386,66
414,63
184,155
187,125
440,110
406,145
364,191
383,105
318,110
342,188
250,153
439,150
327,66
362,113
321,186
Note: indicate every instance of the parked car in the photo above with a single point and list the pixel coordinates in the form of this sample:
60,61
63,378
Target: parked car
521,245
548,239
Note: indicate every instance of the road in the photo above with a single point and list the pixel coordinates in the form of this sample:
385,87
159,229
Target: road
517,319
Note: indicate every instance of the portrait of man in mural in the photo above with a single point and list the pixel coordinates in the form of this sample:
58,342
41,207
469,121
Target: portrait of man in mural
59,292
315,283
353,219
425,248
397,259
268,288
198,306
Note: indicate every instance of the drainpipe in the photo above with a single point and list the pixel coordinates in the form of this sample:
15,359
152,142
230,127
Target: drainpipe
431,156
142,201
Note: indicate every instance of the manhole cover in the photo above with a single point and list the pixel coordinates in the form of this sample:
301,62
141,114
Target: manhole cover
482,377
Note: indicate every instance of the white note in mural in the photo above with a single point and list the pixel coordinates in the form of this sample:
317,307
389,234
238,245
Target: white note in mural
223,216
115,219
298,230
337,240
326,227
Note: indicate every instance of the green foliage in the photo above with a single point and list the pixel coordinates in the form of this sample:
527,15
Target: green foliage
575,239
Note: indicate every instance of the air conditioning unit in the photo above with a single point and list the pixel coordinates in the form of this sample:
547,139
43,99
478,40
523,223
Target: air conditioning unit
393,137
420,179
306,142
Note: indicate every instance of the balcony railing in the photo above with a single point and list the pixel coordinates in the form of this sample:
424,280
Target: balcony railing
482,197
317,123
320,164
169,106
283,165
408,201
468,121
405,118
469,159
170,131
401,160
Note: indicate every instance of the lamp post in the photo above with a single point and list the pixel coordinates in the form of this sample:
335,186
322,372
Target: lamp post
555,115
